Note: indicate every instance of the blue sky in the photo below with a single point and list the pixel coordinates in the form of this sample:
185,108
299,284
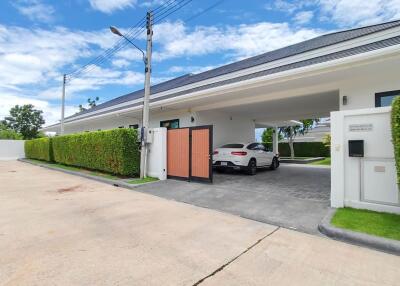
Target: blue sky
42,39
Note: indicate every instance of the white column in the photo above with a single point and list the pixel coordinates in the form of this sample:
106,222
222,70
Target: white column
275,141
337,160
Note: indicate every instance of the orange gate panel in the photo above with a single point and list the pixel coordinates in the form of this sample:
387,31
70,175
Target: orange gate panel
178,153
200,153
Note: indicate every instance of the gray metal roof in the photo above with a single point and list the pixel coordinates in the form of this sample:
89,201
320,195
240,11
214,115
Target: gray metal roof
306,46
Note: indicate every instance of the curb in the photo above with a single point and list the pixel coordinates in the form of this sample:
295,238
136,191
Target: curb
299,161
114,183
362,239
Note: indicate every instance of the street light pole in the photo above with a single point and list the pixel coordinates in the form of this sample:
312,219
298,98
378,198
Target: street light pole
146,97
63,105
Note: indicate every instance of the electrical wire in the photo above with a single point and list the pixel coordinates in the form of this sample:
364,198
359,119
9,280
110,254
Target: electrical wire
160,13
132,34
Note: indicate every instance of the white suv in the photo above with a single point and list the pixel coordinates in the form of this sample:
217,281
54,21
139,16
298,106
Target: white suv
247,157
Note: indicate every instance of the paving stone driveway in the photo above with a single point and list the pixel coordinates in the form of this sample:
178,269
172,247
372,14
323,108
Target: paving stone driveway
294,196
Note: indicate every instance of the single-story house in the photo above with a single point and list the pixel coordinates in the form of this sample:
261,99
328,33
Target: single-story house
349,75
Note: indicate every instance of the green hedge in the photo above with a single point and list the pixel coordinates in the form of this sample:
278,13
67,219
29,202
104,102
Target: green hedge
114,151
302,149
396,133
40,149
305,149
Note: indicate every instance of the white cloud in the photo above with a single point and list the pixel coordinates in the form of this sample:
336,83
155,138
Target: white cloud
288,6
51,112
109,6
303,17
235,41
35,10
359,12
344,13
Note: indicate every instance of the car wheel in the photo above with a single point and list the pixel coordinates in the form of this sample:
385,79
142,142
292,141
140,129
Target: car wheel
252,167
220,170
274,164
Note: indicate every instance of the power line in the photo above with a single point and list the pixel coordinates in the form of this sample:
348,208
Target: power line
204,11
167,8
168,12
132,34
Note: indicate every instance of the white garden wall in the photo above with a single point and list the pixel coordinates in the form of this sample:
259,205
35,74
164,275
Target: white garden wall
157,154
12,149
368,182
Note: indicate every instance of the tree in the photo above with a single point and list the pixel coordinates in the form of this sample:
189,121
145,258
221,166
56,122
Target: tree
290,132
327,140
91,103
267,135
24,120
6,133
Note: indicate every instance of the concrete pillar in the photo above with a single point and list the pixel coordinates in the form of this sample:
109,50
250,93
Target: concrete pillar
275,141
337,160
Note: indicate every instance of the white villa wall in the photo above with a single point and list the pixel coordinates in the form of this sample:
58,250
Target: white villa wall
228,129
368,182
360,89
12,149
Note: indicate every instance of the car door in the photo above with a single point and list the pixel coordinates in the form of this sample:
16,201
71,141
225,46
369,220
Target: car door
268,155
254,153
263,155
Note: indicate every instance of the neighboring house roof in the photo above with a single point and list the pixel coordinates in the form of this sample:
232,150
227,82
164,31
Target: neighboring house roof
296,49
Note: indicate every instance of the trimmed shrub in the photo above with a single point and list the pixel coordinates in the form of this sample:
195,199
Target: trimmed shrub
40,149
305,149
114,151
396,133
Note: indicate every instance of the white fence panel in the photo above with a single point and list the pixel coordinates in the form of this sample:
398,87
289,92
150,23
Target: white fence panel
157,154
12,149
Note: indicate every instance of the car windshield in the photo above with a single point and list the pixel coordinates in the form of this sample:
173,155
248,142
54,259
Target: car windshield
232,146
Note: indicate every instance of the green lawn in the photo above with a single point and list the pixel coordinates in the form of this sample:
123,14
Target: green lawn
142,181
370,222
325,162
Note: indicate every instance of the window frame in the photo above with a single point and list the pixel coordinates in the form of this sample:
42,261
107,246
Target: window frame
380,95
170,121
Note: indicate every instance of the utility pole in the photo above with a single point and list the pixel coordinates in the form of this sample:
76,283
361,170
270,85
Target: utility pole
146,98
63,105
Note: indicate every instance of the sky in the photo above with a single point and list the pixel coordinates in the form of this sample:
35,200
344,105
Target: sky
40,40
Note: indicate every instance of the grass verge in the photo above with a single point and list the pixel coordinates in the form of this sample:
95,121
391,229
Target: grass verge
324,162
375,223
77,169
142,181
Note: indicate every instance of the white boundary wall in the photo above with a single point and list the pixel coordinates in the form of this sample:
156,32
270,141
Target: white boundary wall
12,149
157,154
368,182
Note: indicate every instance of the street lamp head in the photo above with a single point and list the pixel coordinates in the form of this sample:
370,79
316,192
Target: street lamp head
115,31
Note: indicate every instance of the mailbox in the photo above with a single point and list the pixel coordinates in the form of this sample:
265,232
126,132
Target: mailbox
356,148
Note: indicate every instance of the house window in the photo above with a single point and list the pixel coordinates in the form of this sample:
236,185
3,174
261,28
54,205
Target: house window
170,124
385,98
134,126
121,127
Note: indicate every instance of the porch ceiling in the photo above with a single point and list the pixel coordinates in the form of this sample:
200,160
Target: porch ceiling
278,112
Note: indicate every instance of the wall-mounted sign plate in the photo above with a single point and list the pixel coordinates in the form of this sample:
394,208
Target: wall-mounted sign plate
360,127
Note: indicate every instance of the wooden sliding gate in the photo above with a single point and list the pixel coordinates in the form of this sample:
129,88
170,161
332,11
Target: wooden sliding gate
189,153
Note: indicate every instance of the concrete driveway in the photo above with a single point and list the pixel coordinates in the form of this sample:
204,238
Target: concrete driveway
57,229
294,196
